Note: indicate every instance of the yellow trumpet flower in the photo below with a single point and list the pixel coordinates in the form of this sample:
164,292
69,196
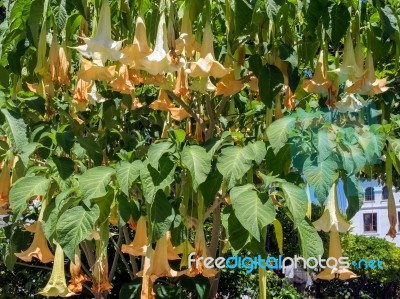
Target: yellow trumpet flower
178,113
58,63
140,243
228,85
135,53
162,103
5,184
123,83
320,82
100,275
39,248
335,251
207,65
186,43
57,285
368,84
101,47
91,71
331,219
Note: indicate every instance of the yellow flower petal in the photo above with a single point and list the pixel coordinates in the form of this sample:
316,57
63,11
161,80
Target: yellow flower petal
140,243
90,71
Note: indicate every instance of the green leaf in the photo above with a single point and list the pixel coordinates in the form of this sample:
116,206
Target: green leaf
310,241
278,132
243,13
74,226
127,173
161,217
156,151
354,195
65,166
273,7
326,144
23,190
372,142
235,232
270,83
35,20
251,211
259,151
198,162
255,64
287,53
15,129
60,14
94,181
388,21
93,149
104,203
320,176
180,135
153,179
210,187
296,201
336,21
234,162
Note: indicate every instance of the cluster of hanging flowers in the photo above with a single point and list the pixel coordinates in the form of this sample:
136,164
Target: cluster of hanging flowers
357,77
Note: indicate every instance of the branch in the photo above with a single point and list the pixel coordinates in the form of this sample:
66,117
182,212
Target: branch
115,261
131,258
188,109
215,205
222,106
212,117
89,255
117,248
34,266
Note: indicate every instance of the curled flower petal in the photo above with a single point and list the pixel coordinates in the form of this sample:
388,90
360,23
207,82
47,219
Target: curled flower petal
140,243
123,83
77,275
90,72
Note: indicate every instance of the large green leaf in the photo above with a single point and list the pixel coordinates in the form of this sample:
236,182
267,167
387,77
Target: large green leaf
354,195
270,83
235,232
161,217
60,14
296,201
259,151
336,21
234,162
94,181
389,22
253,212
74,226
320,176
153,179
372,142
326,144
278,132
15,128
311,243
272,7
23,190
127,173
156,150
198,161
243,13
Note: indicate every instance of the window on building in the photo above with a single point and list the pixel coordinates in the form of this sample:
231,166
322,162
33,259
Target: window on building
369,194
370,222
385,193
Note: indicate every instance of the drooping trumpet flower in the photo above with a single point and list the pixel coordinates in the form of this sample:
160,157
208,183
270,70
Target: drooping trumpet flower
368,84
58,63
81,95
186,43
39,248
391,202
228,85
140,243
100,275
320,82
101,47
90,71
122,83
207,65
349,71
162,103
178,113
201,251
5,184
57,285
182,87
156,265
335,251
160,61
135,53
331,219
77,275
41,65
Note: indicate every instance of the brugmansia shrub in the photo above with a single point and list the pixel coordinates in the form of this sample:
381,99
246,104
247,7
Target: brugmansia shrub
127,125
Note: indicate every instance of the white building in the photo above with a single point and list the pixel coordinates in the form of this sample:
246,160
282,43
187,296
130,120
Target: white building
372,218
